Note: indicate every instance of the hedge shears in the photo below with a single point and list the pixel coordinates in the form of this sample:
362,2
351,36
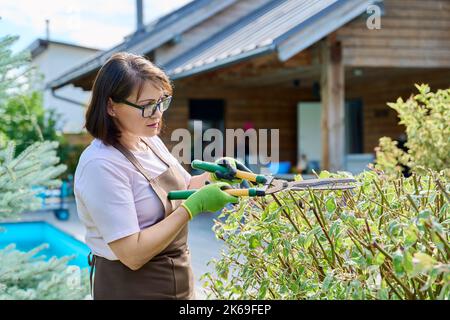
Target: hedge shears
270,184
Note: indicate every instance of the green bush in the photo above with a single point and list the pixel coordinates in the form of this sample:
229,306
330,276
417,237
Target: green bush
16,72
426,118
69,154
385,239
24,120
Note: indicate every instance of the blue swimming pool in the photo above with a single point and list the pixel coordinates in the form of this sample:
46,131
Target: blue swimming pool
28,235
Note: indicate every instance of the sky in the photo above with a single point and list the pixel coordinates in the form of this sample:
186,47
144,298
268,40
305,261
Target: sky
98,24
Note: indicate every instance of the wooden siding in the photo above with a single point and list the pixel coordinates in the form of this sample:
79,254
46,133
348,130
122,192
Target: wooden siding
275,106
414,33
378,86
267,107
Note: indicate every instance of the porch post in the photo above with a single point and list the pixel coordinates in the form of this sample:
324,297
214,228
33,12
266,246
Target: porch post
333,105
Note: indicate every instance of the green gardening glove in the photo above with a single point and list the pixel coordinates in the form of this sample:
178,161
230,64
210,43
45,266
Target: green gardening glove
208,198
231,164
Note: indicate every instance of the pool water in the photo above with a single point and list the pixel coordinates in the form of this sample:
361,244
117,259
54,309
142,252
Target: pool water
28,235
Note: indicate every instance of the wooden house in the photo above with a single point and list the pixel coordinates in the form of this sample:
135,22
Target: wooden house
320,71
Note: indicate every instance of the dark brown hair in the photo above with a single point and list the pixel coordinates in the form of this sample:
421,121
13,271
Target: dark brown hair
116,79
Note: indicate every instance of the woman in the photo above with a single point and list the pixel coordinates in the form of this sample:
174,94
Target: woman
136,235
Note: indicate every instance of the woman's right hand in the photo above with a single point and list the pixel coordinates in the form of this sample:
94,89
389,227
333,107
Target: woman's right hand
231,165
209,198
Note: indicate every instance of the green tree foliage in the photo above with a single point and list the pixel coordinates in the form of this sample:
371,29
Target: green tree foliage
14,68
23,276
426,119
35,166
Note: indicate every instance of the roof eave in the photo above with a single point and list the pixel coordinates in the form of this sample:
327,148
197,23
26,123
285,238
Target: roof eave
223,62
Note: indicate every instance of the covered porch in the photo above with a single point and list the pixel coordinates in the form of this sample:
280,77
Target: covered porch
330,112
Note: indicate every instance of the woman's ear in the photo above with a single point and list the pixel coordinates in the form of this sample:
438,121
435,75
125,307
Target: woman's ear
111,108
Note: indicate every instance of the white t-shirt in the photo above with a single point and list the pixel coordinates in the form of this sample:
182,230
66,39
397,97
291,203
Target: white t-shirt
113,199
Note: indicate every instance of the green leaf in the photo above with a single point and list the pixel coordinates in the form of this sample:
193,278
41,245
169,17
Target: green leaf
423,261
398,262
335,229
408,262
379,259
411,235
424,214
327,282
254,242
273,206
286,248
309,239
394,228
263,289
230,226
330,205
269,248
324,174
383,294
444,209
236,289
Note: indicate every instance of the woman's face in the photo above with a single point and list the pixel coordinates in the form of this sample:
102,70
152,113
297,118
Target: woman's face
130,120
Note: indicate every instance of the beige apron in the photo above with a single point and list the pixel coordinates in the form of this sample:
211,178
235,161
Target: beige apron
168,275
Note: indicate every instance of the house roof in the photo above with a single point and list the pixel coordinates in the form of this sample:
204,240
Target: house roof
39,45
151,37
267,29
284,26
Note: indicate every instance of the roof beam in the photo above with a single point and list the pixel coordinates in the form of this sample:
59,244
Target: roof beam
333,105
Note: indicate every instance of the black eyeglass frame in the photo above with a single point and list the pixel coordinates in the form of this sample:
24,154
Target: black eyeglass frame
154,105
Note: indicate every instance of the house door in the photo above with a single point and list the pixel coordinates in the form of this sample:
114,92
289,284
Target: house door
354,127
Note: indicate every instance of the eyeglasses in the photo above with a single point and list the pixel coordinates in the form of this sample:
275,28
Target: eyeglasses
148,110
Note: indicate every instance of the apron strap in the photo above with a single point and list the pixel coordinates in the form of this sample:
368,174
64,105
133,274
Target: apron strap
127,153
156,152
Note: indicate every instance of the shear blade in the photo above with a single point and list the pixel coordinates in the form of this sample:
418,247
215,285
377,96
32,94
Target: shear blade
323,184
335,187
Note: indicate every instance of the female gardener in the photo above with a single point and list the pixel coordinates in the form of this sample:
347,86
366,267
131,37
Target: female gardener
136,235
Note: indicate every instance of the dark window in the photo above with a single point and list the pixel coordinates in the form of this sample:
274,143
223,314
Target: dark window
211,112
354,124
